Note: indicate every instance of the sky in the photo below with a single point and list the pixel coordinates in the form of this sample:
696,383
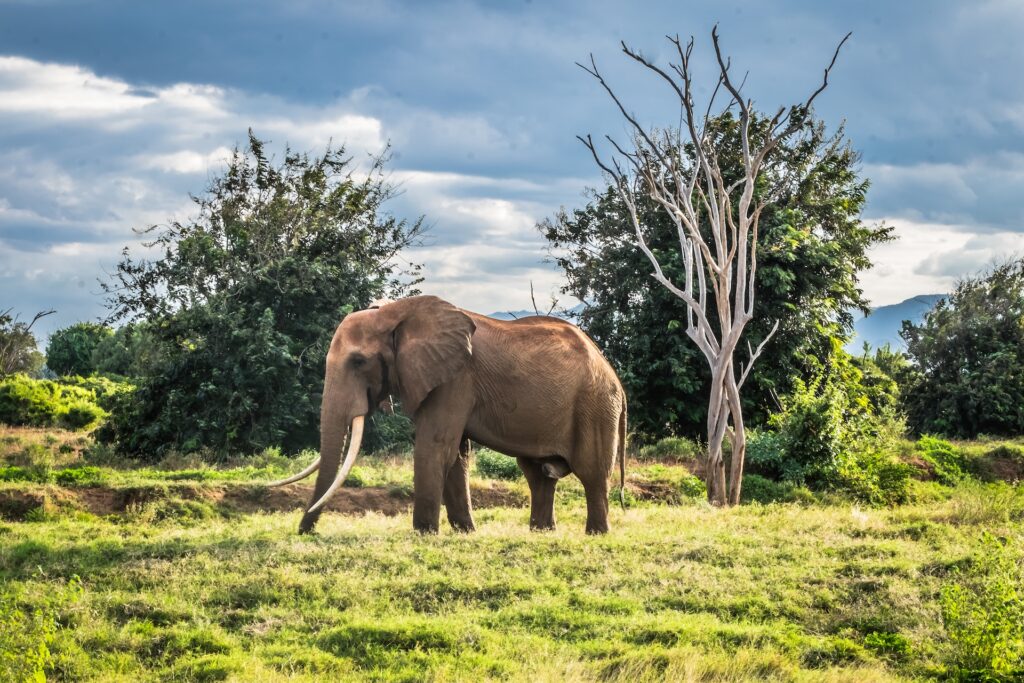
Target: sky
112,113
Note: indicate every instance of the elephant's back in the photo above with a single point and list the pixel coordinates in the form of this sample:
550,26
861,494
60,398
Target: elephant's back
549,352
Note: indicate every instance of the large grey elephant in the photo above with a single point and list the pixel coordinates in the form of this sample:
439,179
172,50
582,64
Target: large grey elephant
536,388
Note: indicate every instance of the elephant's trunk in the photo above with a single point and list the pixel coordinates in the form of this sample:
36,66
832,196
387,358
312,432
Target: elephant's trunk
354,442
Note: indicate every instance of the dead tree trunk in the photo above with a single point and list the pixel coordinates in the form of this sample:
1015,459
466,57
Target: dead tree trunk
718,230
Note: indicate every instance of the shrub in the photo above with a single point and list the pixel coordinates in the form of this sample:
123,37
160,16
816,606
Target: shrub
82,414
692,487
834,433
79,476
26,401
982,612
947,460
45,403
496,466
671,448
758,489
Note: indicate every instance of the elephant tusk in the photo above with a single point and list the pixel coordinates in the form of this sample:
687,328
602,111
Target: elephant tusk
296,477
354,442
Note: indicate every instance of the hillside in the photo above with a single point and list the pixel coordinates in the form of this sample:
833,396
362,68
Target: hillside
882,326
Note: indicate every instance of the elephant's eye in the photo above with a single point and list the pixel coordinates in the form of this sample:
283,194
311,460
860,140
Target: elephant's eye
358,361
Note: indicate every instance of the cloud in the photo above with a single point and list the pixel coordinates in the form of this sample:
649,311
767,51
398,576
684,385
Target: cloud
185,161
70,197
976,192
110,115
928,258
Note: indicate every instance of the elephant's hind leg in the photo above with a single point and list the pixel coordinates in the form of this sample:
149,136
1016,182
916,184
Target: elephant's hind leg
542,494
456,492
592,463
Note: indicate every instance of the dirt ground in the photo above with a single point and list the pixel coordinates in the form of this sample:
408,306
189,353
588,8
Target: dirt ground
17,503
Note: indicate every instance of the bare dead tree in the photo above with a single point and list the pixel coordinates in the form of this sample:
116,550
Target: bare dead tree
679,170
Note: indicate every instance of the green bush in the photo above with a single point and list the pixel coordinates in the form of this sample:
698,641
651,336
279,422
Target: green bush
947,460
692,487
37,474
82,414
671,448
758,489
29,402
982,612
46,403
79,476
496,466
836,433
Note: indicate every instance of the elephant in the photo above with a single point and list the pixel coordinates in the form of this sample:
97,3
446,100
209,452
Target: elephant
535,388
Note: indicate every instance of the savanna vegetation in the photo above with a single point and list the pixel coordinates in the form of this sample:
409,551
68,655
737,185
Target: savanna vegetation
183,571
879,535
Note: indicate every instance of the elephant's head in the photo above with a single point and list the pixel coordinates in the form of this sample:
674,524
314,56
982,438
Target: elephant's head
407,347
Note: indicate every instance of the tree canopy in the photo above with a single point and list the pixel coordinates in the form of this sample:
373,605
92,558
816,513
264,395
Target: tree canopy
242,300
968,355
18,351
70,349
812,246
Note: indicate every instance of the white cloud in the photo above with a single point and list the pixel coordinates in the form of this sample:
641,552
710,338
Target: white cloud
185,161
63,222
928,258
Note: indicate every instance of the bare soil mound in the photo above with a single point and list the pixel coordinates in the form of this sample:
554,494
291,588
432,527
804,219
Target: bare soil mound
18,503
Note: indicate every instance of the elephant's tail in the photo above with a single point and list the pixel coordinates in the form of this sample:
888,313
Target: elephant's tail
622,456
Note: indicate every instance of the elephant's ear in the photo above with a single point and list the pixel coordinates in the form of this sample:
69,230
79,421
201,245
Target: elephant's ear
433,343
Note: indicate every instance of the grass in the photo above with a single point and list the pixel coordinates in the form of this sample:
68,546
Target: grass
186,589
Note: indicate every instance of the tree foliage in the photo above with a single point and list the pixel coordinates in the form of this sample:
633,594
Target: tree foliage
133,350
242,300
968,354
812,246
70,349
18,351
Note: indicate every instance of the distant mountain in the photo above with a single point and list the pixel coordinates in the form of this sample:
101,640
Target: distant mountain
512,315
882,326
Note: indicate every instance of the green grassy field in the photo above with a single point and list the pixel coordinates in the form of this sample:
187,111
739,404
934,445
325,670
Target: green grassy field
183,585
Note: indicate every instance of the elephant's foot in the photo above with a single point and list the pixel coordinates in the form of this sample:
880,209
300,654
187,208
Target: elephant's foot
425,518
463,526
308,523
597,526
546,525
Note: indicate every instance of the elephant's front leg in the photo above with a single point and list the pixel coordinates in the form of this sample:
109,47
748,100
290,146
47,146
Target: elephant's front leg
431,461
456,491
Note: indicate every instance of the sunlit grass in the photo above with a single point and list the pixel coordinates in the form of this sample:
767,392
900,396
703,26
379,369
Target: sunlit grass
673,592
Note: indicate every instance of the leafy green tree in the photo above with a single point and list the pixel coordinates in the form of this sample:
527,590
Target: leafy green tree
18,350
812,246
131,351
968,354
242,301
70,349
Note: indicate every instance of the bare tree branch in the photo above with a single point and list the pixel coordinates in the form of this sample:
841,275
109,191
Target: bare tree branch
717,230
